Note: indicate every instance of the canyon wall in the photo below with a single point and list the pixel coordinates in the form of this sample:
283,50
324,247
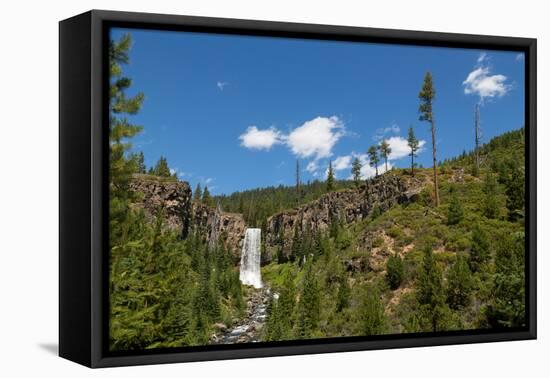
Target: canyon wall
182,215
347,206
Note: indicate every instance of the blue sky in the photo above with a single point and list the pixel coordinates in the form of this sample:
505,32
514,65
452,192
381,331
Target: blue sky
235,112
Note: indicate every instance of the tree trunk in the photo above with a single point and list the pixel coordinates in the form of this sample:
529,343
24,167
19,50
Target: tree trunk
412,164
477,136
435,165
386,161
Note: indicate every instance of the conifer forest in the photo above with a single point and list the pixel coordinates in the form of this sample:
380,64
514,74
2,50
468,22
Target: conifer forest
368,245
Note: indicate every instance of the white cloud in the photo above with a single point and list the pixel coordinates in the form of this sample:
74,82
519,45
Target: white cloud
367,171
179,173
341,163
482,57
482,83
400,148
312,167
208,180
256,139
221,85
381,132
520,57
315,138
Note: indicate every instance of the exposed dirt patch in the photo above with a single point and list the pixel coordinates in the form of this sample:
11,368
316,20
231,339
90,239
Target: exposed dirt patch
396,299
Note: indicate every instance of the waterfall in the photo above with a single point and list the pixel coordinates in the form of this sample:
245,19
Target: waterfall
250,258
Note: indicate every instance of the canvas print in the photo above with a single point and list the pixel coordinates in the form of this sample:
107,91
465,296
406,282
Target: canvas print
266,190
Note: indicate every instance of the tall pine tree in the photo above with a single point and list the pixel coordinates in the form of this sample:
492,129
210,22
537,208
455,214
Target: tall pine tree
427,97
374,159
413,144
309,305
385,151
330,178
356,171
120,129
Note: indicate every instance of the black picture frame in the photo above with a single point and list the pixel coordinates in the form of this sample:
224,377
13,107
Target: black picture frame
83,195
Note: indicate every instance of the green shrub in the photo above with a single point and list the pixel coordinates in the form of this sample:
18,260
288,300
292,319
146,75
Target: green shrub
396,232
394,271
377,241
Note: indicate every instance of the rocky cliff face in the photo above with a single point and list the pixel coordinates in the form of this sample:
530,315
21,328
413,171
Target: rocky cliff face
183,216
348,206
215,224
174,196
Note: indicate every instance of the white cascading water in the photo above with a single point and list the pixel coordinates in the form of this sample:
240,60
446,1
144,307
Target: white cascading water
250,273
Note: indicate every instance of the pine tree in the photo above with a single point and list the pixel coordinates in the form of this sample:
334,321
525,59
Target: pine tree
455,212
477,133
318,244
374,159
479,251
334,226
207,198
372,318
430,292
298,183
206,301
281,258
413,144
356,171
427,96
459,284
343,295
507,305
297,250
330,178
120,129
309,305
141,163
394,271
385,151
197,196
514,183
490,206
161,168
273,325
287,303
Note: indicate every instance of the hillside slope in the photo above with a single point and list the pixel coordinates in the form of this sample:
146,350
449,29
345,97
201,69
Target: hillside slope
414,267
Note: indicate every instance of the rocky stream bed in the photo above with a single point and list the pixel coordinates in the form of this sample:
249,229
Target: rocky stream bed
248,329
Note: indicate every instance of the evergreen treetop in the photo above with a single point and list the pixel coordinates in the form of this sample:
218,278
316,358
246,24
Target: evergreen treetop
330,178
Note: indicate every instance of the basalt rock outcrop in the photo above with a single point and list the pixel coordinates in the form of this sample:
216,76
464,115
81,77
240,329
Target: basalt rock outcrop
182,215
217,225
346,206
172,197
